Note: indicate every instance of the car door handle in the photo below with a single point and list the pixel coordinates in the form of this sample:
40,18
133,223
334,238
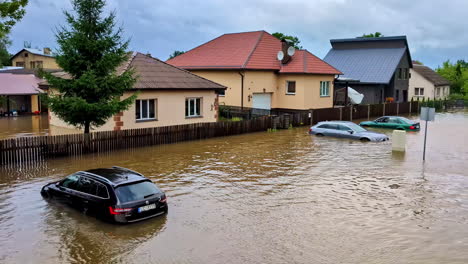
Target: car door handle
85,201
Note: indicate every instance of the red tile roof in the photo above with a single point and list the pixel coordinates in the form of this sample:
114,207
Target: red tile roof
249,50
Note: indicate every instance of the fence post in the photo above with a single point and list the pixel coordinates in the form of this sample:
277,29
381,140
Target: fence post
397,108
351,113
311,113
341,113
368,111
410,105
383,109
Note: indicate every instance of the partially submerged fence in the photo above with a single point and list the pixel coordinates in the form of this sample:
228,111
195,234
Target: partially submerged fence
27,149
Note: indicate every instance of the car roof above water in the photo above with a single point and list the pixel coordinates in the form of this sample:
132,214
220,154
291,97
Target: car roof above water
336,122
115,175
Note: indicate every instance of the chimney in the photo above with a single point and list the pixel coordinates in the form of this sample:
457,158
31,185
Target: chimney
47,51
284,48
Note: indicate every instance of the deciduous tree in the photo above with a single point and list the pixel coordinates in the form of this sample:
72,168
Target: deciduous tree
372,35
292,39
175,54
11,11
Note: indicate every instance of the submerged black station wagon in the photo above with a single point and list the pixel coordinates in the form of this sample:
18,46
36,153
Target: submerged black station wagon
115,194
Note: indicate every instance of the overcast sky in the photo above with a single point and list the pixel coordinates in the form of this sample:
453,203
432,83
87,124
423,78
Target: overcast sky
436,30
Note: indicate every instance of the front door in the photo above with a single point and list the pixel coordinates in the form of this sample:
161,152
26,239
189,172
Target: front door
405,95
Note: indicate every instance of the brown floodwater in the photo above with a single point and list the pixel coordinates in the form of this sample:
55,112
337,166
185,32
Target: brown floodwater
24,126
282,197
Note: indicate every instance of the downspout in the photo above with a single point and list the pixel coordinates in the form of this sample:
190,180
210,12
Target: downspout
242,89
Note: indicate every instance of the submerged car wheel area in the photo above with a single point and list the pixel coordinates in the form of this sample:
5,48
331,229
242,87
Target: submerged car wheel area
345,129
114,194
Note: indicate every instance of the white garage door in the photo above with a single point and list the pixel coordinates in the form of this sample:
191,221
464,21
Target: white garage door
262,101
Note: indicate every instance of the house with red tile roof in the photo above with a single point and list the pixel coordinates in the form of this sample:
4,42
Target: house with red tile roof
261,71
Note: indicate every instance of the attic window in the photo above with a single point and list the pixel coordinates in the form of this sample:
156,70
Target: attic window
26,54
290,87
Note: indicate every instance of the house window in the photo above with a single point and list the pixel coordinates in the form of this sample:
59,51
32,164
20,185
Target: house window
20,64
419,91
290,87
325,88
26,55
32,64
438,91
39,64
222,92
192,107
397,96
145,109
400,73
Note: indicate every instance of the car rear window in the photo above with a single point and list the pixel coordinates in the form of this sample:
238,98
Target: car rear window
407,120
136,191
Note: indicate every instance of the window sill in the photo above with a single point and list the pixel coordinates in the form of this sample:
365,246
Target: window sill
146,120
324,96
191,117
290,93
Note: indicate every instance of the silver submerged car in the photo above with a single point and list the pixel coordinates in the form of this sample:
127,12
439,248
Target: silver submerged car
345,129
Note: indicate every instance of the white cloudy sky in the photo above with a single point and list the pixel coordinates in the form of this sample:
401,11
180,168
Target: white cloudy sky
436,30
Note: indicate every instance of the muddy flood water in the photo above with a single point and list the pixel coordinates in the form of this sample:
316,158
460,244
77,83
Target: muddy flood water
283,197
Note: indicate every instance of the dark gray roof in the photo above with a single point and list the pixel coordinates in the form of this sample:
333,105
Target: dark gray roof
373,65
362,39
430,75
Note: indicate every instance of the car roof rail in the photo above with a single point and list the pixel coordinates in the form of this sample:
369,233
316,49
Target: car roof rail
96,176
125,169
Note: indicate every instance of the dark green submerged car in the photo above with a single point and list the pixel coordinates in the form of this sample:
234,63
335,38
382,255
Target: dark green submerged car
393,122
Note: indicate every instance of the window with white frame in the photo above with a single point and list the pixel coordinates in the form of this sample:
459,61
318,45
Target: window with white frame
438,91
419,91
325,88
145,109
290,87
193,107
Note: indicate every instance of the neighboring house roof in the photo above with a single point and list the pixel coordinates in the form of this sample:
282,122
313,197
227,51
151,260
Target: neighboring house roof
369,60
27,71
249,51
19,84
152,74
430,75
366,65
35,52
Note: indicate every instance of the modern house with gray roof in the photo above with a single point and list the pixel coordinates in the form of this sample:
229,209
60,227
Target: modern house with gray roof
379,68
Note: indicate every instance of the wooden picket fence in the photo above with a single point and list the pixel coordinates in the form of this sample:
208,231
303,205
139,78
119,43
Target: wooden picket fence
32,149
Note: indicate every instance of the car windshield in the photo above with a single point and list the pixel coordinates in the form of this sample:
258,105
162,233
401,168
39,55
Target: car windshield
356,128
136,191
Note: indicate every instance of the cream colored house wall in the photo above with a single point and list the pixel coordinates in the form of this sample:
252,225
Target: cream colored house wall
170,110
47,62
418,81
307,88
313,100
230,79
430,91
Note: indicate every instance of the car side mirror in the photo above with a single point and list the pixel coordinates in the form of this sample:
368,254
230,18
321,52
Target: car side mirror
351,132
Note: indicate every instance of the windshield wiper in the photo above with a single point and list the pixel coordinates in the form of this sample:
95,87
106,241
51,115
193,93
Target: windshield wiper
149,195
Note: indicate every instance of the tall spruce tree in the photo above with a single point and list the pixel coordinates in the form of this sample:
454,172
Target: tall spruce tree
90,51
